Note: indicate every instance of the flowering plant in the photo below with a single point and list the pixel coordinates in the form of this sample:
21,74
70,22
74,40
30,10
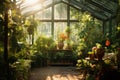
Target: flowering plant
97,51
62,37
97,47
107,43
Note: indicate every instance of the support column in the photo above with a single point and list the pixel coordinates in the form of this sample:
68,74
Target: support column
6,62
52,24
33,17
106,28
68,16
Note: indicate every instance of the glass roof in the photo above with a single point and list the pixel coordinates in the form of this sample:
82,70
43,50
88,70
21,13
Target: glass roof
101,9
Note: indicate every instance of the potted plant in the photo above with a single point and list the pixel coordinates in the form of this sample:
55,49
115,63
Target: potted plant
69,45
53,46
61,40
99,51
42,46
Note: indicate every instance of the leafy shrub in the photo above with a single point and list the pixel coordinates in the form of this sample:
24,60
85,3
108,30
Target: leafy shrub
37,60
20,69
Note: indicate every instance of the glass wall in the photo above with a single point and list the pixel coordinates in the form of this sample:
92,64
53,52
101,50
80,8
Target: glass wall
44,29
44,14
60,11
59,28
55,19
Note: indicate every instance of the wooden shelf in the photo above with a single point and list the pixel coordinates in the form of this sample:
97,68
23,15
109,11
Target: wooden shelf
65,60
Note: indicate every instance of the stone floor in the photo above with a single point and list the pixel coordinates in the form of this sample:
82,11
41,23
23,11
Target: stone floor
55,73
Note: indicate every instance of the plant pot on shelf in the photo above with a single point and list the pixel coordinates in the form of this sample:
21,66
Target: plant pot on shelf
60,45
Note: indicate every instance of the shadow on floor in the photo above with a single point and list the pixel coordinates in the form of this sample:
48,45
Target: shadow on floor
55,73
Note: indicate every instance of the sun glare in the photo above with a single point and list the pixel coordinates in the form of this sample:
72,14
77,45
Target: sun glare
33,8
29,3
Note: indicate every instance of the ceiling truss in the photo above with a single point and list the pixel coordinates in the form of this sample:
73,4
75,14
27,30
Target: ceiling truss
100,9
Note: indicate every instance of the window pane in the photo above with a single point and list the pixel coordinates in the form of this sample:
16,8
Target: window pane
44,29
44,14
59,27
60,11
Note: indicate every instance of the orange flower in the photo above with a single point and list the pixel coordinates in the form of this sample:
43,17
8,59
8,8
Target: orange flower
63,36
107,42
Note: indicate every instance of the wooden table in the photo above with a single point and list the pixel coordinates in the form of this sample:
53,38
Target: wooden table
60,57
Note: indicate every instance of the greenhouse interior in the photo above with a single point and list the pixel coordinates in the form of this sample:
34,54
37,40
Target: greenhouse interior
59,39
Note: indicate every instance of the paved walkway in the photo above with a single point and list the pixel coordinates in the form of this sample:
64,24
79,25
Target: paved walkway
55,73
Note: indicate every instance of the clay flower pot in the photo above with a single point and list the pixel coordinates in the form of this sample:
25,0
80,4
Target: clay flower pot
60,45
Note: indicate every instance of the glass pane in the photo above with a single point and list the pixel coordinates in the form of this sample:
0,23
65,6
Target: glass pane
44,14
44,29
59,27
60,11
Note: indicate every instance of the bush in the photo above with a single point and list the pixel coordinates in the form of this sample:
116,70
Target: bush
20,69
37,60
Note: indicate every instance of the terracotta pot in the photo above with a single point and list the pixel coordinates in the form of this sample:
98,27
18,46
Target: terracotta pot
60,45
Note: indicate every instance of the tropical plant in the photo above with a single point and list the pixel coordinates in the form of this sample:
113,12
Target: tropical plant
43,44
20,69
112,43
82,63
10,27
53,46
42,47
87,29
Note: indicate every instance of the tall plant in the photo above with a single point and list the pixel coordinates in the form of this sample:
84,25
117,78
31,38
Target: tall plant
43,44
90,30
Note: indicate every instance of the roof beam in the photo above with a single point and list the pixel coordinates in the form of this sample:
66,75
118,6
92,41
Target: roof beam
98,10
83,6
106,5
100,6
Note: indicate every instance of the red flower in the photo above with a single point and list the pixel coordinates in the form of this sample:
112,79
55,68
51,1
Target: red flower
107,43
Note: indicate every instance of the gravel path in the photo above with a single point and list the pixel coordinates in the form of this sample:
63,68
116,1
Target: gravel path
55,73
